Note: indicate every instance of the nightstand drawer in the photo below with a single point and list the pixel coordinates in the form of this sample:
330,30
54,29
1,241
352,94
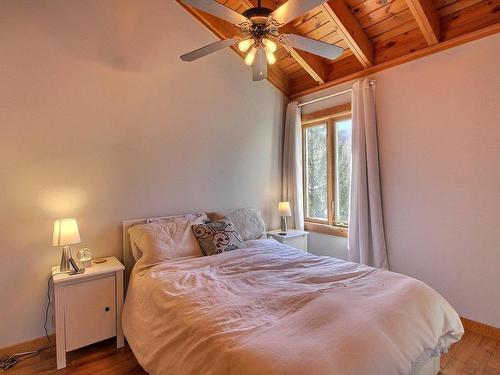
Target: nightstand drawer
89,311
298,243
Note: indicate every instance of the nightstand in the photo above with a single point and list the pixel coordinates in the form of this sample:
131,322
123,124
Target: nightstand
88,307
294,238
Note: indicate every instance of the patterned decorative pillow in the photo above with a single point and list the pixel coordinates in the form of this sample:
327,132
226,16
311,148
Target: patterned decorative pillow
217,237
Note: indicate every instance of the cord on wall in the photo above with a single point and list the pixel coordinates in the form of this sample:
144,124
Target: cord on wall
11,360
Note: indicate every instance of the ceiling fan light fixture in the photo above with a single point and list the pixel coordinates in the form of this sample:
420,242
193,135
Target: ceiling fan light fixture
270,45
245,45
260,33
271,59
250,57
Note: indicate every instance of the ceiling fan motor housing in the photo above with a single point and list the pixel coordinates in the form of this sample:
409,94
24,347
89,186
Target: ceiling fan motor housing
257,13
260,21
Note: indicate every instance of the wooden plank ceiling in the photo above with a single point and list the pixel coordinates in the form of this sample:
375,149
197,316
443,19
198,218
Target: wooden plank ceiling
375,34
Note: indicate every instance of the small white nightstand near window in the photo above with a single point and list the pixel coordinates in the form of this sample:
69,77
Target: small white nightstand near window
88,307
294,238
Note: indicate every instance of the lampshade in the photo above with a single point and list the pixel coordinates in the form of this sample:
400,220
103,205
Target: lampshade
284,209
65,232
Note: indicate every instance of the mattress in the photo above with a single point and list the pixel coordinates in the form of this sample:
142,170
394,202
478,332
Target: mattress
270,309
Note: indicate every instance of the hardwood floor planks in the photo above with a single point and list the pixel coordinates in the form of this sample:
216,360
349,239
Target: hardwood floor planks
463,353
481,356
474,354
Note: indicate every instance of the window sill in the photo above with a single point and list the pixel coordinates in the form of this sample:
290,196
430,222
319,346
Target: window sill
326,229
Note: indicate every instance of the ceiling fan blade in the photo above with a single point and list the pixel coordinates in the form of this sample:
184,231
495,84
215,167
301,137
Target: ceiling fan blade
203,51
293,9
315,47
259,65
216,9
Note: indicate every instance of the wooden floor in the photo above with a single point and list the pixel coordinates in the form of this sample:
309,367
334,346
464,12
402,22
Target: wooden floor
474,354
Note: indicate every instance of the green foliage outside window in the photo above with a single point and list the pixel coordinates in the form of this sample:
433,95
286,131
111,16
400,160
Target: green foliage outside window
317,181
316,170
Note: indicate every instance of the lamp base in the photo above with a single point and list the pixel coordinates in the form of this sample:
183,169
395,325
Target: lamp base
284,225
65,265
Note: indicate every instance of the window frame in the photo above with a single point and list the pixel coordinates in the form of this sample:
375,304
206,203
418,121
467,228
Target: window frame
329,117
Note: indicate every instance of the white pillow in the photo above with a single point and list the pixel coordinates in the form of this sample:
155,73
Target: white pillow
249,223
165,239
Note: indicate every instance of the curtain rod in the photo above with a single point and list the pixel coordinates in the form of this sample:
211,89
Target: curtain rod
329,96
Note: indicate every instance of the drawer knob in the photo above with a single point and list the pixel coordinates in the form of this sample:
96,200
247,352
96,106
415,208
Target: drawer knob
106,309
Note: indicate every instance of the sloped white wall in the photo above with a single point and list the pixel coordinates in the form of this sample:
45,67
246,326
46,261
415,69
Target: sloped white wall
100,120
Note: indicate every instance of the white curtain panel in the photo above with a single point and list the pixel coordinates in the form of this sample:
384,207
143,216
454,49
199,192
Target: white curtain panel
366,226
292,165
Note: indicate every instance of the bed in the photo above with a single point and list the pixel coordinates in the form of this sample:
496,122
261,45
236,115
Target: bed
267,308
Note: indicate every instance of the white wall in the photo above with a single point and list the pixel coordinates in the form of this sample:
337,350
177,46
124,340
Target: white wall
439,135
100,120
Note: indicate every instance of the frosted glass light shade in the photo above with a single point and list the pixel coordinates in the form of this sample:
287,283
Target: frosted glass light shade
65,232
270,45
245,45
284,209
250,56
271,59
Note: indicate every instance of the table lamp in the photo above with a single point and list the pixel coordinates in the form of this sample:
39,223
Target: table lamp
65,234
284,211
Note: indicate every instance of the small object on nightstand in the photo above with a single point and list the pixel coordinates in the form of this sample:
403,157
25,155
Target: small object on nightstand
76,268
284,211
100,260
88,307
84,258
294,238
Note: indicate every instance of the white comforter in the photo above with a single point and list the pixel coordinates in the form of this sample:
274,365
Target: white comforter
271,309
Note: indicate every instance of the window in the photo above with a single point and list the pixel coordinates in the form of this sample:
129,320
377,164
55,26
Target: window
327,169
316,154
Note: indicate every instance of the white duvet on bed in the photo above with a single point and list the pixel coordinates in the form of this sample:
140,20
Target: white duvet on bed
271,309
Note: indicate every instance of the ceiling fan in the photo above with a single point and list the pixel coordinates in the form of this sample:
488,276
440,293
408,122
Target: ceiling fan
260,32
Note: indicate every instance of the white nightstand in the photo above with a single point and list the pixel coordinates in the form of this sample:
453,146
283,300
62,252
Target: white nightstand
88,307
294,238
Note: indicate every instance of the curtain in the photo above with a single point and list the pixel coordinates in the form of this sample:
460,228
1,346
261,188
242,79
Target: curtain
366,227
292,165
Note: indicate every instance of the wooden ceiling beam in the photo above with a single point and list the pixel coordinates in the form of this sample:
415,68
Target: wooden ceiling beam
224,30
444,45
312,64
427,19
351,31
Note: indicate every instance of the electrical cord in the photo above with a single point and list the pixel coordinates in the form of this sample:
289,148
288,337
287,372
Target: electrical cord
11,360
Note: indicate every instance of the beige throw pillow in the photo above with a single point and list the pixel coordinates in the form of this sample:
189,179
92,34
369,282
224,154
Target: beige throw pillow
166,239
248,222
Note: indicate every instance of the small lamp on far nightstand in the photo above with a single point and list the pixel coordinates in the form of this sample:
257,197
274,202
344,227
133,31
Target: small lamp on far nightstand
284,211
65,234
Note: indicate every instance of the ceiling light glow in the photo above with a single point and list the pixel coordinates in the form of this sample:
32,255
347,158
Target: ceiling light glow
271,59
270,45
244,45
251,56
